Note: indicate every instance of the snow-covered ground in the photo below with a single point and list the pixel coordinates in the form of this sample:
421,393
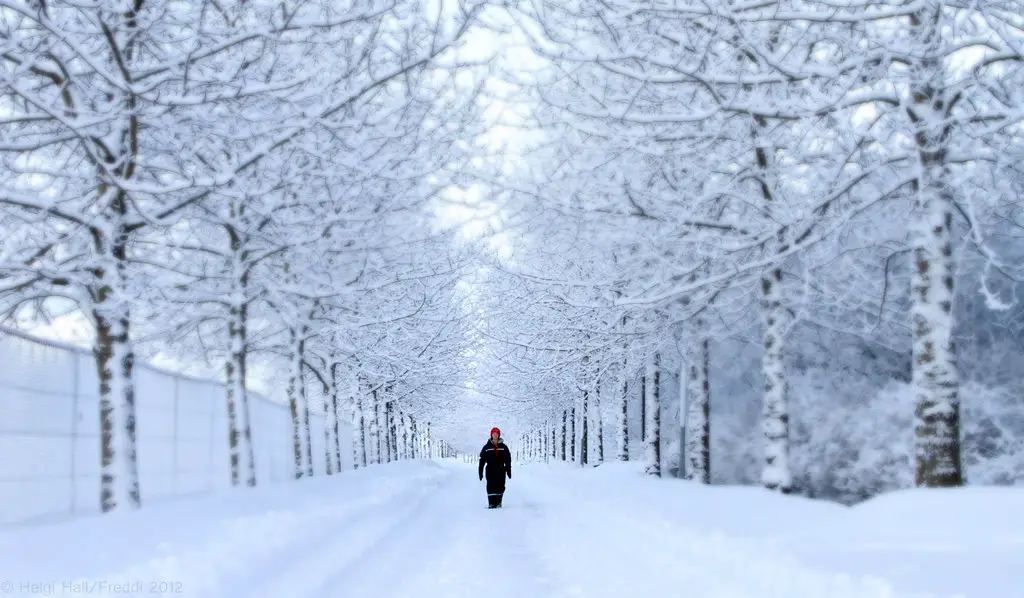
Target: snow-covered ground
421,529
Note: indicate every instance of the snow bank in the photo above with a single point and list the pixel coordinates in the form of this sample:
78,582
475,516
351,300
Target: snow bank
726,509
964,542
201,546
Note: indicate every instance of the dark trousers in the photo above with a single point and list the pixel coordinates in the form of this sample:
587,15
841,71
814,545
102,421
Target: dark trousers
495,490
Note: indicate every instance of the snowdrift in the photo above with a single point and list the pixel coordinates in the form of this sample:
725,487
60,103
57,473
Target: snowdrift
965,542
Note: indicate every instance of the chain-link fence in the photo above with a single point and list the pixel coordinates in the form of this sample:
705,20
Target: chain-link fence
49,433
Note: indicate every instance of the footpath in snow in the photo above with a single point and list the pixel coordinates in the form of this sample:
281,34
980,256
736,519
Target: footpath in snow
421,529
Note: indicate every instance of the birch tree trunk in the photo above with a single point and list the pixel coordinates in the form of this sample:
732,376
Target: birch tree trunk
572,438
565,416
376,427
430,443
239,423
622,430
234,374
406,448
379,440
358,425
115,361
295,395
622,433
399,444
307,428
643,409
116,159
653,411
775,474
584,433
336,421
327,397
328,428
935,381
554,443
414,439
775,415
385,430
363,441
697,417
392,428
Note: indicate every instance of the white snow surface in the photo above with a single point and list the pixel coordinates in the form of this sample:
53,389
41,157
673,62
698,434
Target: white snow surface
420,529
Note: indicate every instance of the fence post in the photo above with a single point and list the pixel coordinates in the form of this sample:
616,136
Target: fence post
174,440
74,430
213,435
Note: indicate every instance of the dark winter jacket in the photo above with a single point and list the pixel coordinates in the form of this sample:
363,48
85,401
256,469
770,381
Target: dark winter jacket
498,460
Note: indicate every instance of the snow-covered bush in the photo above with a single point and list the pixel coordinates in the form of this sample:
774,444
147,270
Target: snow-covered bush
851,428
993,439
852,453
736,452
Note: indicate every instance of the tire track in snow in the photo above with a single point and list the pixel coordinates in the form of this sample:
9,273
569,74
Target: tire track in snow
446,542
384,565
246,552
316,570
457,548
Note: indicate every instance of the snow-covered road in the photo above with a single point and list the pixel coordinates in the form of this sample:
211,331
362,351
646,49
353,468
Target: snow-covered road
550,540
422,530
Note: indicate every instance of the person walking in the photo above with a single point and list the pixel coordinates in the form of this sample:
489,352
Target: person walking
498,461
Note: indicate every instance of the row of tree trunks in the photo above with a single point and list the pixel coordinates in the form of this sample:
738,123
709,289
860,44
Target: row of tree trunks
695,429
383,432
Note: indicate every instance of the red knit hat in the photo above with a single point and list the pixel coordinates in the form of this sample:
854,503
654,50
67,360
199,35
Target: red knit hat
493,430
